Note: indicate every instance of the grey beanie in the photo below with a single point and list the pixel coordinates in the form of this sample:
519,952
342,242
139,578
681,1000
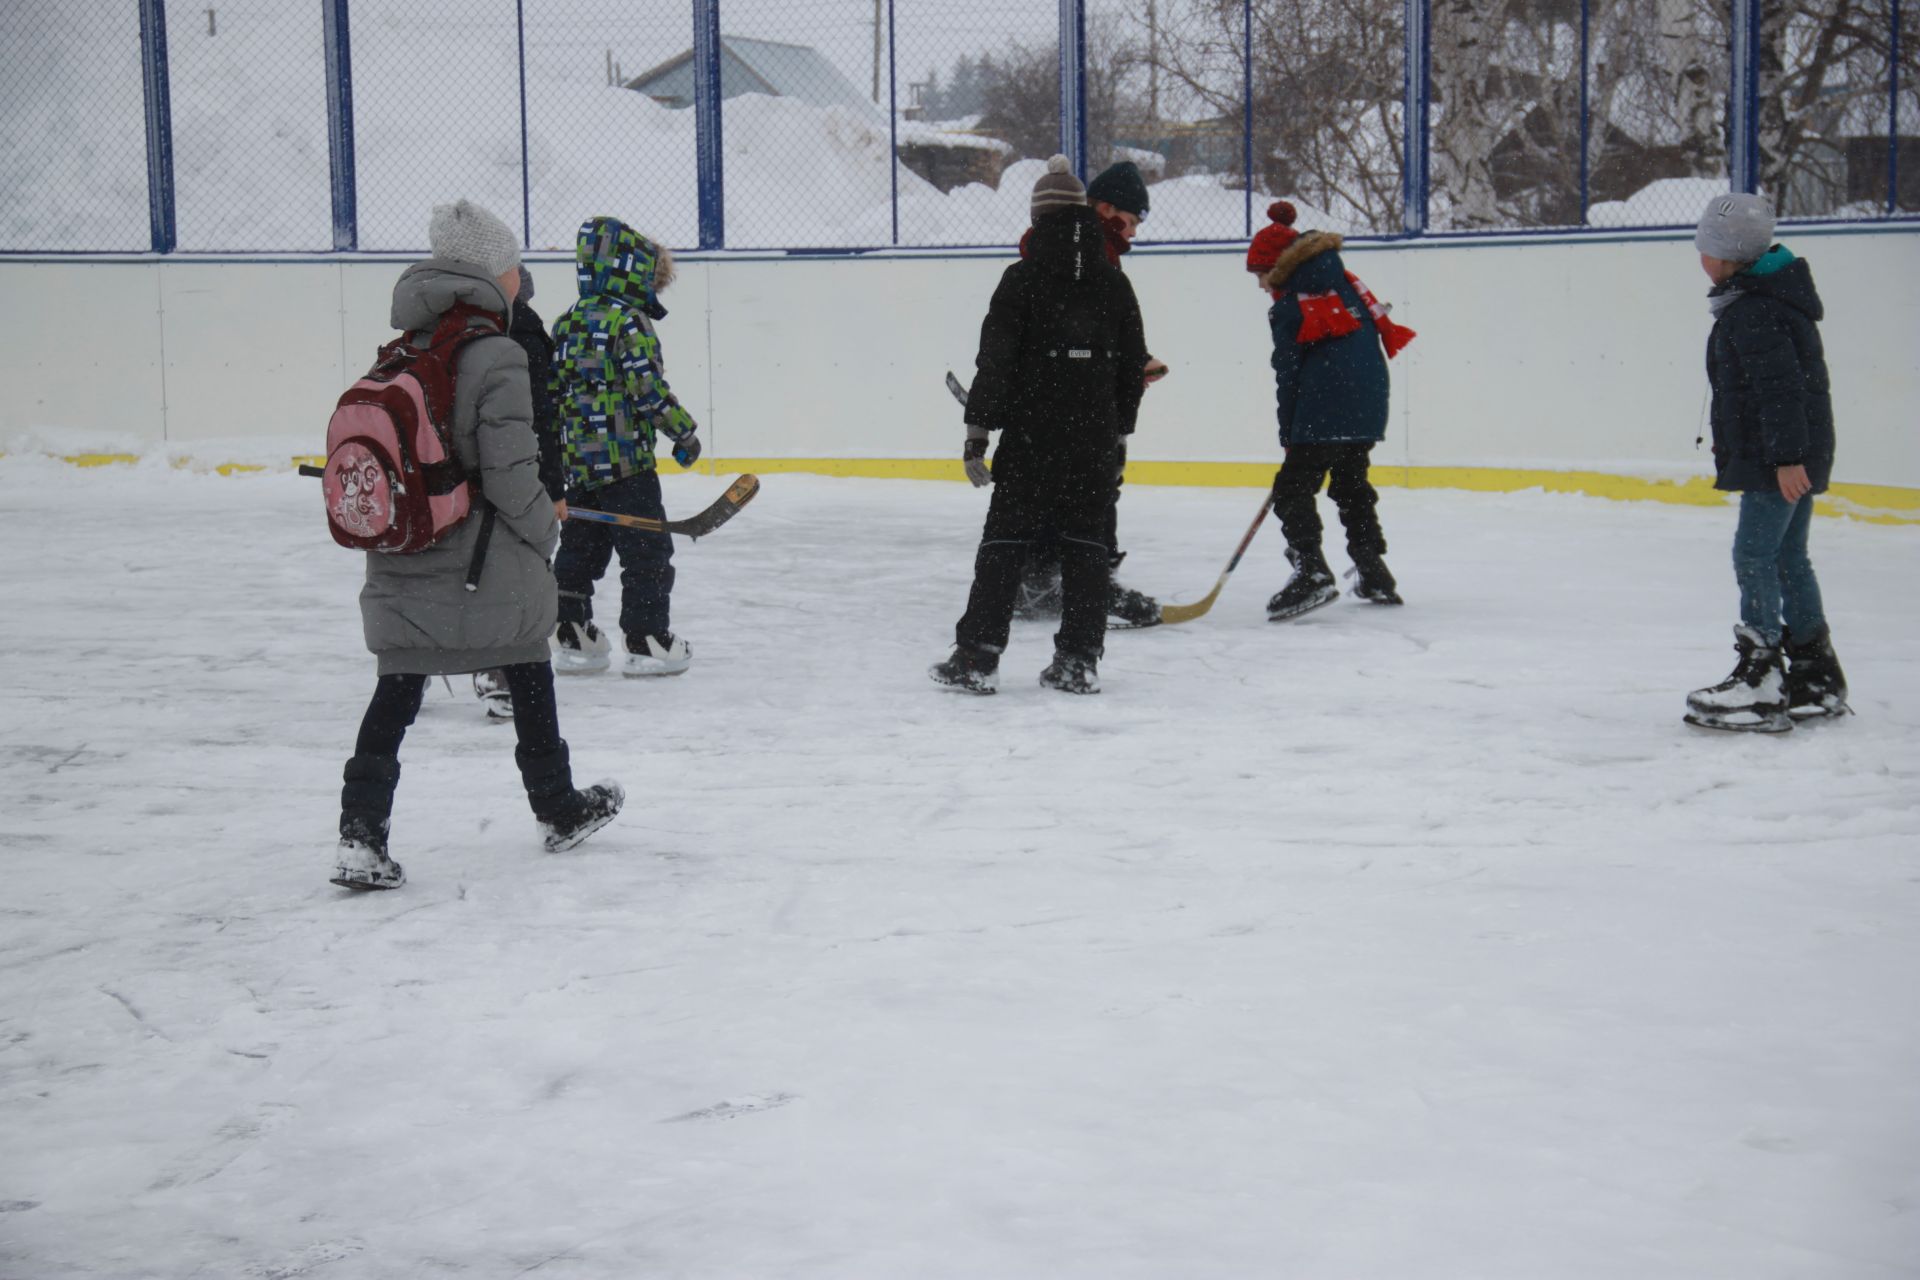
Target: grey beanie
464,232
526,283
1735,228
1057,189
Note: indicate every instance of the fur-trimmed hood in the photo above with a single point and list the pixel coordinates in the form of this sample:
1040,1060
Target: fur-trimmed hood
1311,244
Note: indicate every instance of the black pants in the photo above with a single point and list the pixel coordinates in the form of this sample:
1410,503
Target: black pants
646,559
1299,479
1062,492
396,701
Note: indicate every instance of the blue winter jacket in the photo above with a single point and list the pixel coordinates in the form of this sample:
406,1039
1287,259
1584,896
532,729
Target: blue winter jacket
1333,390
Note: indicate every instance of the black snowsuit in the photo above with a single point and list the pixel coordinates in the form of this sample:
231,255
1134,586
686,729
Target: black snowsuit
530,331
1061,352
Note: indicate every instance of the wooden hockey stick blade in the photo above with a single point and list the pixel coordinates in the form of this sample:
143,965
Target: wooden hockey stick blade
1188,612
698,525
959,392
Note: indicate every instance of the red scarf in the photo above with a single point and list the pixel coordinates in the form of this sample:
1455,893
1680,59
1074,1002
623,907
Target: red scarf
1324,316
1394,337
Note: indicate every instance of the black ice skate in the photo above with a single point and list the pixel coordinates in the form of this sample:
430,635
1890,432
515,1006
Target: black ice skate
1373,582
579,814
1038,599
1310,588
361,862
1816,686
1071,673
970,670
1129,610
491,688
1751,700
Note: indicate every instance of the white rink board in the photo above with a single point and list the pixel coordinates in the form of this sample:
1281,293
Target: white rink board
1551,354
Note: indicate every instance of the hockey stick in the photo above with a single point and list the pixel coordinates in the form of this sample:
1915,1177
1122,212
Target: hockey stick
699,525
959,392
1188,612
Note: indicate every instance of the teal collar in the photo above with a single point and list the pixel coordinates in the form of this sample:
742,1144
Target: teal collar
1772,260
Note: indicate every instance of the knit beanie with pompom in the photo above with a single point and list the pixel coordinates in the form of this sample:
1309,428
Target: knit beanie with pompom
1056,189
1270,241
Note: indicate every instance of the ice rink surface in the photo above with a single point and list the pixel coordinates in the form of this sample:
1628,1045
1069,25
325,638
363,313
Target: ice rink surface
1391,944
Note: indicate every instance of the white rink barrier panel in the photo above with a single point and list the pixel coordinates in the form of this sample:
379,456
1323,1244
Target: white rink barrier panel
1562,363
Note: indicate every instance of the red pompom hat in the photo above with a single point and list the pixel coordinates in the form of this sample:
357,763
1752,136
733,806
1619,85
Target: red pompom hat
1272,240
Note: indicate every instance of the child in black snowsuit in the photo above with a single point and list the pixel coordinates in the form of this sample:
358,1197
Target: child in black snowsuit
1331,386
1059,374
1773,445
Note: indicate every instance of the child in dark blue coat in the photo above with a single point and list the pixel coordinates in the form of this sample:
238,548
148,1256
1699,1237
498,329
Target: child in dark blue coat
1330,380
1773,445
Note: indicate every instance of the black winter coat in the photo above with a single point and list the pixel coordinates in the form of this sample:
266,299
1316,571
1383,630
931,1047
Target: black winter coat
1333,390
530,332
1062,347
1771,402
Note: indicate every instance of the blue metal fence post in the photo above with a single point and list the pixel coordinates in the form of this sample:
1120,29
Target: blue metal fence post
162,225
1586,109
893,119
1893,115
339,52
1743,106
1415,179
1246,105
1073,84
526,179
706,124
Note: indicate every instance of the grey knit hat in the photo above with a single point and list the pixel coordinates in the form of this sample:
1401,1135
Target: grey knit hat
464,232
1057,189
1735,228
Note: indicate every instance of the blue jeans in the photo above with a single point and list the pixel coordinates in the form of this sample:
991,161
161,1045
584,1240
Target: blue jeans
646,559
1770,563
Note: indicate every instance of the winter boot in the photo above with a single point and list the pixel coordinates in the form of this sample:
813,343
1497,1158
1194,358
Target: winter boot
971,670
1071,673
566,816
491,688
1751,700
1311,586
1372,581
580,649
661,655
366,804
1815,684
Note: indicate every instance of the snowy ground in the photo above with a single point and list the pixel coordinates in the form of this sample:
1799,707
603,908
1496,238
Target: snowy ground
1392,943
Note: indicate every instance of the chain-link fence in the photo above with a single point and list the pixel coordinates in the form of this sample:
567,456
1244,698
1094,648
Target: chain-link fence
264,126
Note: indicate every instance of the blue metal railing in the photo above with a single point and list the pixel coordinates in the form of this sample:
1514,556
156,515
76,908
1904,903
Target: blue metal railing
1423,211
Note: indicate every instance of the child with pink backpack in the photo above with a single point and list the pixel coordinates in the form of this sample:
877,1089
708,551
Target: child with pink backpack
433,468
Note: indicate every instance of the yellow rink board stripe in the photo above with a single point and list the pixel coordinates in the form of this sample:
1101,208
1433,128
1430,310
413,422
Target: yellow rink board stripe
1876,503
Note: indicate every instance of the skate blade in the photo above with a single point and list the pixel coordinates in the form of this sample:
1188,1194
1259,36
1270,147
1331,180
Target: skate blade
1782,724
1120,624
1301,612
1805,715
562,844
347,881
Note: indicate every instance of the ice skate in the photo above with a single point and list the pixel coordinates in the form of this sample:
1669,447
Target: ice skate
361,861
578,814
1373,582
970,670
580,649
1753,699
491,688
1310,588
662,655
1038,599
1129,610
1071,673
1816,687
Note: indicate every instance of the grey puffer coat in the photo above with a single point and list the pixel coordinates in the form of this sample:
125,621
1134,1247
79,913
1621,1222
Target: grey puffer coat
419,617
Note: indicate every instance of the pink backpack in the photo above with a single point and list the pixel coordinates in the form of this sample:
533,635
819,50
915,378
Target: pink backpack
392,482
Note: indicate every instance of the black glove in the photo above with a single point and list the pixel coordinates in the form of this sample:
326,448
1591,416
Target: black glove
686,450
974,457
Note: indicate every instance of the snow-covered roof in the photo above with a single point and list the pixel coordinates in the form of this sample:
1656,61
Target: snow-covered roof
759,66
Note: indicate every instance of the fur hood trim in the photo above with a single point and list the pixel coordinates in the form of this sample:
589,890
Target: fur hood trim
1310,245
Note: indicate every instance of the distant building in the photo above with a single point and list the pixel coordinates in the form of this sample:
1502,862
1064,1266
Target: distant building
760,66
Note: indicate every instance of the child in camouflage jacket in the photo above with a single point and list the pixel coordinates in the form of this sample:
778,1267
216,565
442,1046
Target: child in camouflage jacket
612,401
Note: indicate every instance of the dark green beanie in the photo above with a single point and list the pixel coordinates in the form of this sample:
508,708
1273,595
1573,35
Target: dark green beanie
1121,186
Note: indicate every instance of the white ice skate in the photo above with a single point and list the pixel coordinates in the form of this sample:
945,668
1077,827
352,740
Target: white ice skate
666,655
491,688
362,864
580,649
1751,700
